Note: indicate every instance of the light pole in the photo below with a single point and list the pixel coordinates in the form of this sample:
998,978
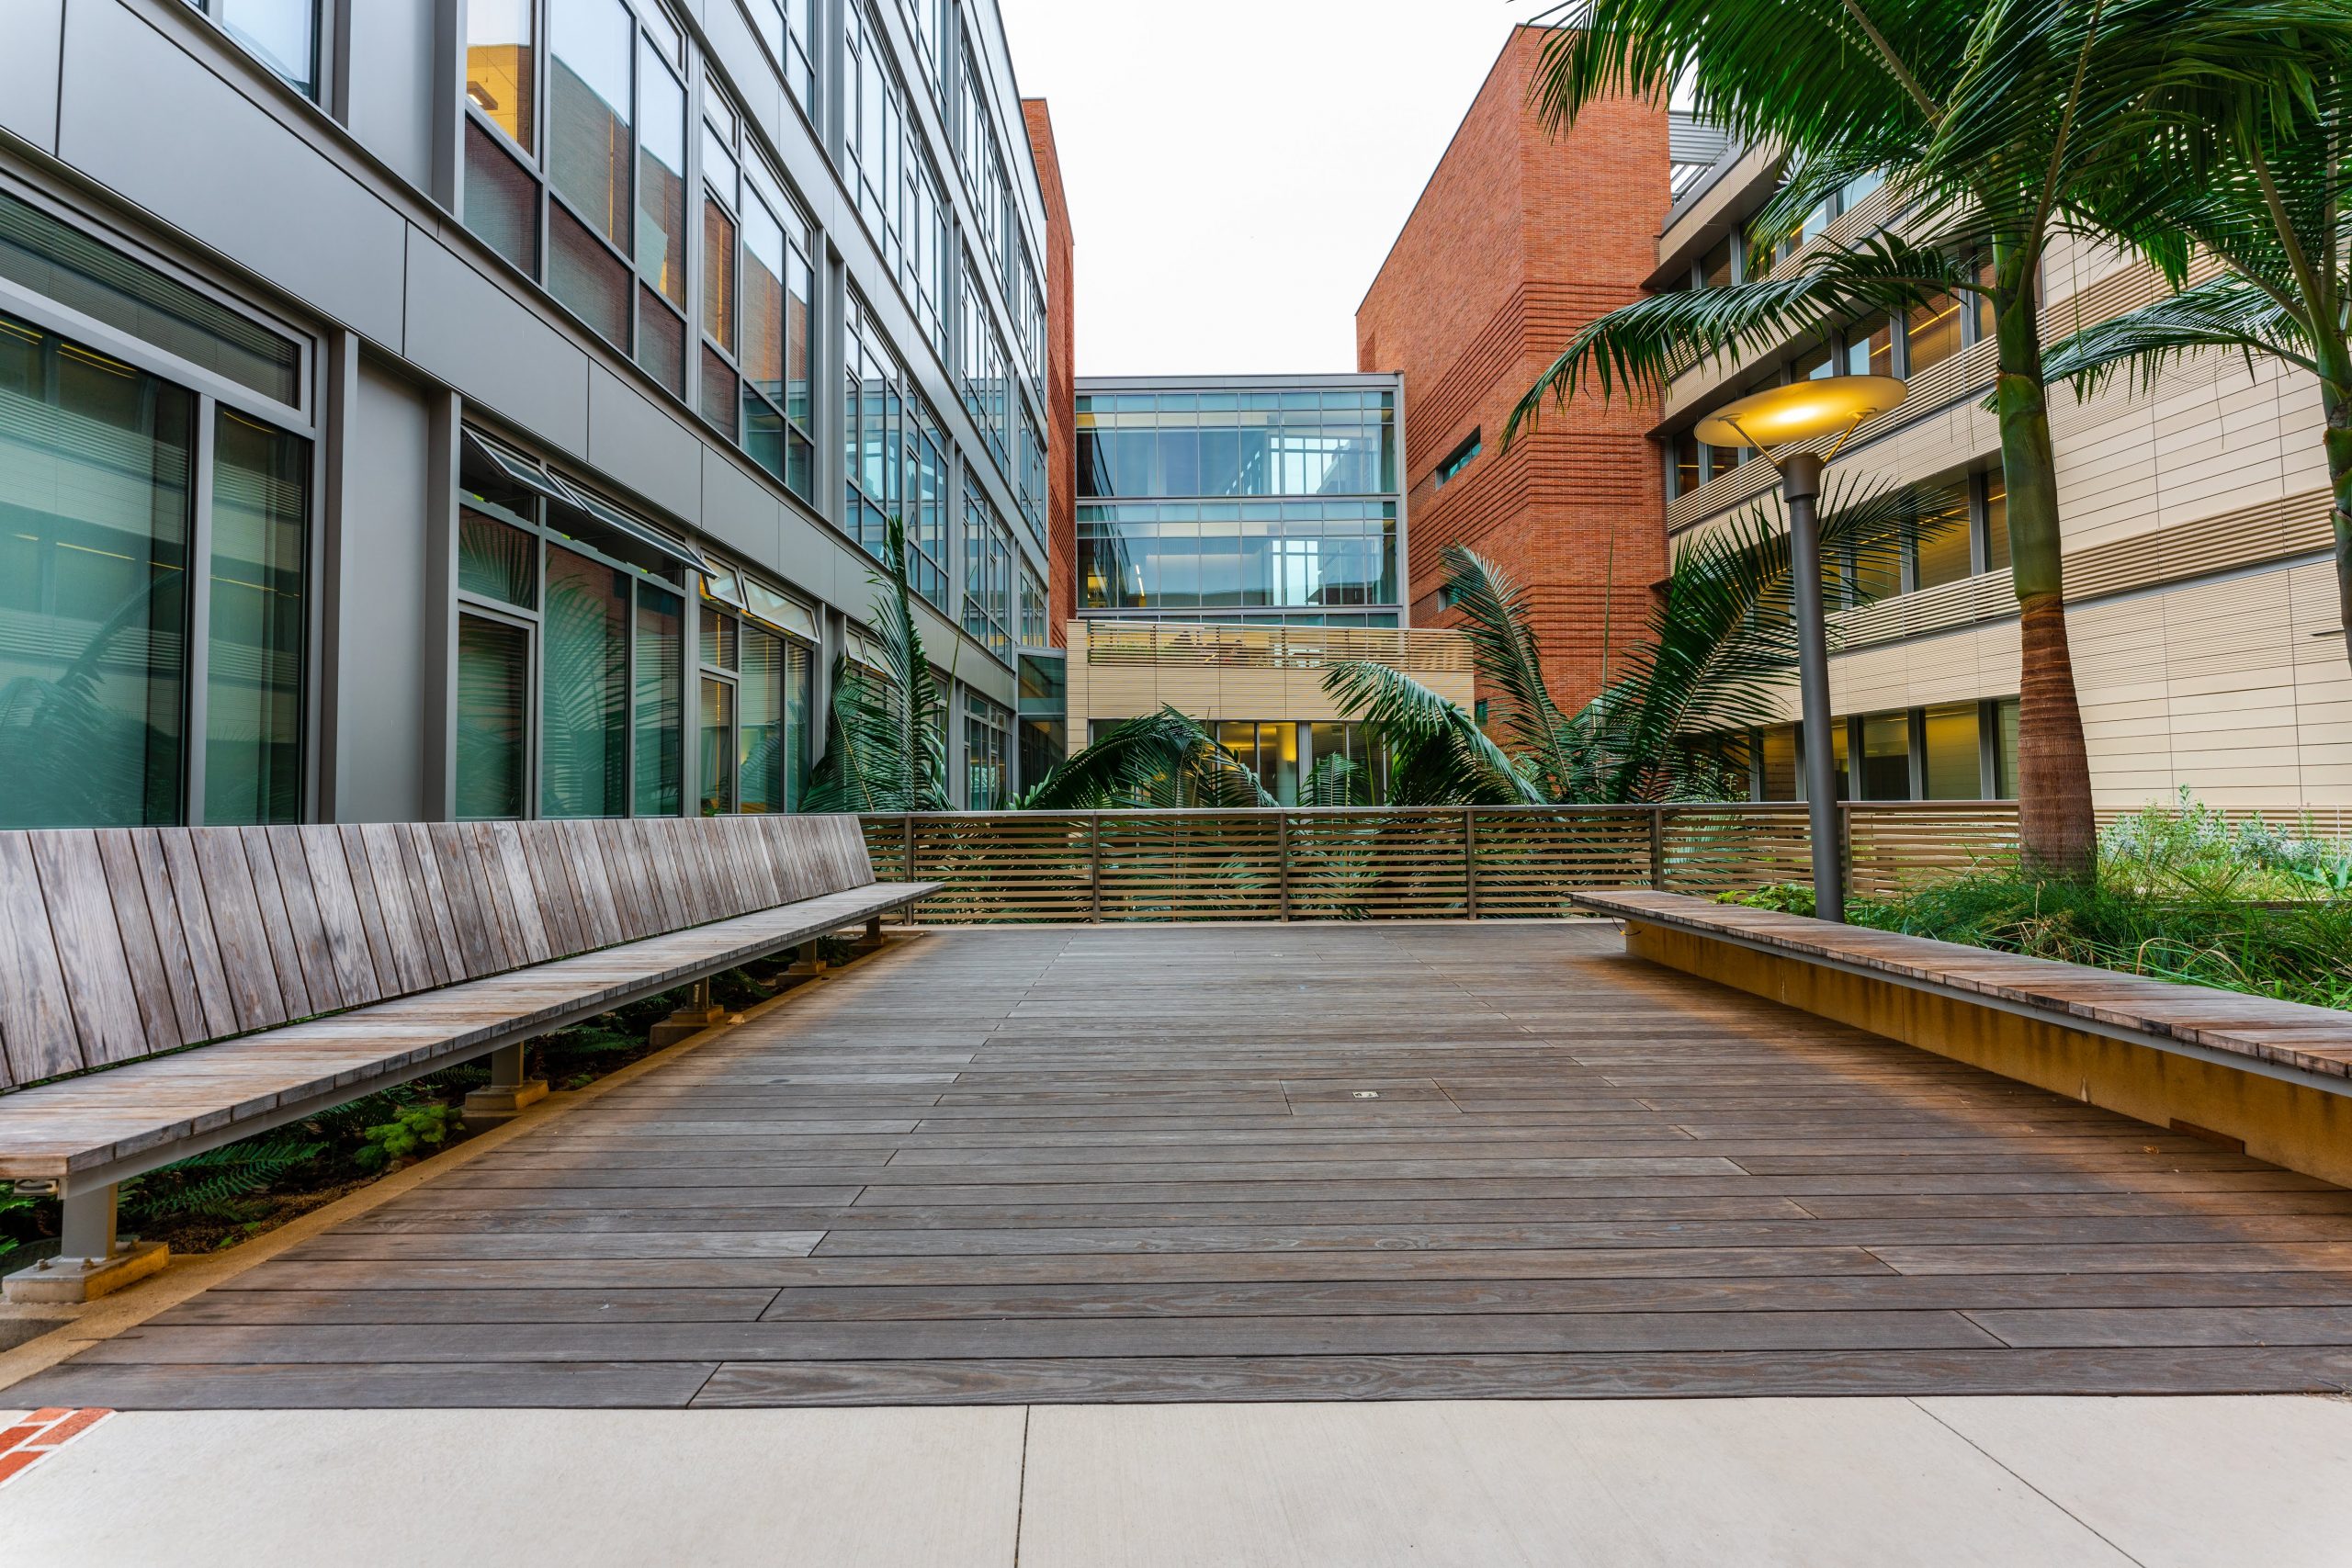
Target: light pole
1809,411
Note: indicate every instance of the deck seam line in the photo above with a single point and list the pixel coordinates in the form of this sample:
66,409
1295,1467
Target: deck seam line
2021,1480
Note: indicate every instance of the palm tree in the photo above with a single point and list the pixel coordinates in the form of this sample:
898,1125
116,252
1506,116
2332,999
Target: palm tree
886,730
1156,759
1996,124
2276,215
1720,649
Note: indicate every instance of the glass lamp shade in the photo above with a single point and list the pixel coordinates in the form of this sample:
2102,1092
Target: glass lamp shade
1803,411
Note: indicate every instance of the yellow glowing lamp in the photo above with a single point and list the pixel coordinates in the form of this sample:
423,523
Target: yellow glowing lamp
1803,411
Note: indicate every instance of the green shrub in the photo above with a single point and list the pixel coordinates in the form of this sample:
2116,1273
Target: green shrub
415,1131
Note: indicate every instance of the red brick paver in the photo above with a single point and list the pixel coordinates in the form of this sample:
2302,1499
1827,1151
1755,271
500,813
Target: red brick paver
40,1434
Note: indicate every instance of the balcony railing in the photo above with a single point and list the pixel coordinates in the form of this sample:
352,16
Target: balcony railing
1485,863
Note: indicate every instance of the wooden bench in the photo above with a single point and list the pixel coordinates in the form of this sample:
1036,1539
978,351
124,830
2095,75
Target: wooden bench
316,964
2273,1078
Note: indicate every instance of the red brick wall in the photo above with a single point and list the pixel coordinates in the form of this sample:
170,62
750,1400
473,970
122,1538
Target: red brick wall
1061,476
1521,239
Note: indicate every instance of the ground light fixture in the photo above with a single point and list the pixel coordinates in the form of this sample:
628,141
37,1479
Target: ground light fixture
1827,408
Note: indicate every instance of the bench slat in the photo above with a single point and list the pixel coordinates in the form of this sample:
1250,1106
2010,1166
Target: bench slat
36,1019
295,942
413,967
356,980
437,927
225,884
184,928
552,885
600,924
158,985
89,948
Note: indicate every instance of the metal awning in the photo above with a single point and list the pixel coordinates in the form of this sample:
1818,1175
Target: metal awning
531,473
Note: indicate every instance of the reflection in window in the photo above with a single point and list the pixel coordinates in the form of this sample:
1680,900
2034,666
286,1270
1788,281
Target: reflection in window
661,699
1241,555
252,705
584,703
502,66
494,707
1216,443
1997,525
1952,758
95,460
1942,552
1934,332
718,747
1886,757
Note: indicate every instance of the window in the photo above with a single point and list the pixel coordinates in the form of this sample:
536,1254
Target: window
893,457
1952,751
570,650
890,173
1682,464
2005,748
783,27
1996,524
1814,363
758,310
758,660
1870,348
101,521
1210,556
1886,757
1776,763
1035,631
1301,443
1943,550
1933,333
589,197
987,573
281,34
987,729
1457,459
1032,472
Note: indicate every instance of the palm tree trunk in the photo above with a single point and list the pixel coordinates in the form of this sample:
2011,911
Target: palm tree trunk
2057,833
2335,398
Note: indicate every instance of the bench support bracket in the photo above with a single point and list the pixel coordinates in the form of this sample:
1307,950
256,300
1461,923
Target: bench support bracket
808,961
509,1091
873,941
699,1013
91,1260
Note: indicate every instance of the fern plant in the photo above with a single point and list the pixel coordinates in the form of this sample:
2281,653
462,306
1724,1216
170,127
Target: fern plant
216,1184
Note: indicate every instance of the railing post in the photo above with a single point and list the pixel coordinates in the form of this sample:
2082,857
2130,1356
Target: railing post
1657,849
1094,868
1281,837
915,915
1470,860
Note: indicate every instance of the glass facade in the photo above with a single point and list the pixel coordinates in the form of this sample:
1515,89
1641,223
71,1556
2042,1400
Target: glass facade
1246,502
1949,752
988,754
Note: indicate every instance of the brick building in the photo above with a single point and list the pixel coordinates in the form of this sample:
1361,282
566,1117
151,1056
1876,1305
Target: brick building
1520,239
1061,476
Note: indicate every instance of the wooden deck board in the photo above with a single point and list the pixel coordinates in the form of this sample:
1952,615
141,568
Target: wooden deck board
1129,1162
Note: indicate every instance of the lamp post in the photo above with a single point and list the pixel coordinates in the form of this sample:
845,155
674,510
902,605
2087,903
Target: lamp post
1809,411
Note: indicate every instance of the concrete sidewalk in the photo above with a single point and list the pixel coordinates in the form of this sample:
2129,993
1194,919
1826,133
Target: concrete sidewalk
1813,1483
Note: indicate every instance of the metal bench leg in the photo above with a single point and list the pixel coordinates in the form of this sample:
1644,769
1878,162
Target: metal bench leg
808,961
91,1260
699,1013
509,1091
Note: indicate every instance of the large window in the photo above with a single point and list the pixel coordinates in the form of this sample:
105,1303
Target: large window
988,737
570,663
987,573
1335,442
758,664
1949,752
893,457
897,194
281,34
784,27
141,605
758,293
1246,555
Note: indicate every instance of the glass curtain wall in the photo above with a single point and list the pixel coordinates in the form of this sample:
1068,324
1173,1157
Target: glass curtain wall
1954,751
252,710
894,455
987,574
988,777
578,129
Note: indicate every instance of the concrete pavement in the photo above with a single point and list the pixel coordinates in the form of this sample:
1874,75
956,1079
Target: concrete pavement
2208,1483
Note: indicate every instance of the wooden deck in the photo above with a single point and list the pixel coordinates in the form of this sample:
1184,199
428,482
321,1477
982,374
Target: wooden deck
1141,1163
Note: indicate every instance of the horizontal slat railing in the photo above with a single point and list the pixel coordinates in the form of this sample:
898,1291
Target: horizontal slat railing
1485,863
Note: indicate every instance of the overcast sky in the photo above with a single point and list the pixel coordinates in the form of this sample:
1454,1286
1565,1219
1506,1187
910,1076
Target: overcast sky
1238,168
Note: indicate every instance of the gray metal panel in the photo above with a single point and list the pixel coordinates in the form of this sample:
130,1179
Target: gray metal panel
383,620
146,120
811,556
738,510
29,61
391,83
633,440
471,333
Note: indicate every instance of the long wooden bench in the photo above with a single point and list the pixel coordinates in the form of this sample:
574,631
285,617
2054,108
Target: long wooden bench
2272,1078
315,964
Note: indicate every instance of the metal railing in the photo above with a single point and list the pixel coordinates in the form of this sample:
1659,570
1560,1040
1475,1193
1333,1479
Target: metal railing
1480,862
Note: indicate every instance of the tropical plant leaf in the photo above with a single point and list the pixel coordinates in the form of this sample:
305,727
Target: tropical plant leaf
885,728
1155,759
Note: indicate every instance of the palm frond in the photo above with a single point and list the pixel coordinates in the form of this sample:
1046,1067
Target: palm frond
1636,348
2225,312
1163,758
1437,755
885,728
1335,780
1502,646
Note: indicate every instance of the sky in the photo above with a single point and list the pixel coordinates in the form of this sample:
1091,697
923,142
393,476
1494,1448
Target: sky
1237,169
